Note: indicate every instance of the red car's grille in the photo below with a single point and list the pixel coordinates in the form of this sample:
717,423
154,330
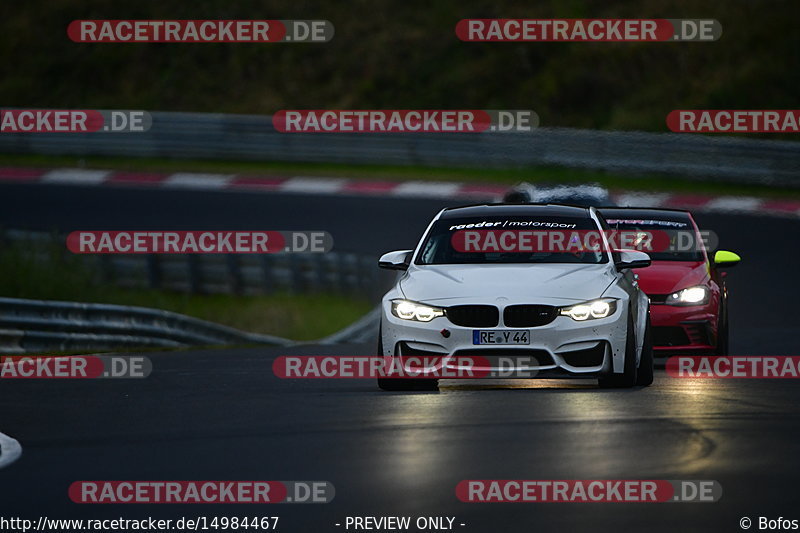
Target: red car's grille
669,336
688,333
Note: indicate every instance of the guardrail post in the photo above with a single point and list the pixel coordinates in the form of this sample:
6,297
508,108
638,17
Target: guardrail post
296,273
267,283
327,272
195,274
369,277
108,269
349,271
154,271
316,266
365,277
235,273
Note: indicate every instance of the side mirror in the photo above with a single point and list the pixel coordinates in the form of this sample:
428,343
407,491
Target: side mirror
396,260
725,259
632,259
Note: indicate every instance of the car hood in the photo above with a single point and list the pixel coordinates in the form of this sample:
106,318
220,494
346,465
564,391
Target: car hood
665,277
551,284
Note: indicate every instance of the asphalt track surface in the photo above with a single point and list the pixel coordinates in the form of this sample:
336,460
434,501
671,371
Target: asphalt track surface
220,414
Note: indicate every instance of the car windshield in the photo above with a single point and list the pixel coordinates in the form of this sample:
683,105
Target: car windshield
684,242
507,239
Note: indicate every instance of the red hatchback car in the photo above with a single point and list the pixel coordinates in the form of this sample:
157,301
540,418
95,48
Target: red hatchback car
687,289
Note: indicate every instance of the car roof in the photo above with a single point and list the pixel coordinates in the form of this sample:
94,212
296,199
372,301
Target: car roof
501,209
565,189
670,215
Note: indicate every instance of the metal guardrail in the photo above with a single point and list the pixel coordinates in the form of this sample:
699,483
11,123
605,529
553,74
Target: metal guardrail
362,330
42,326
337,272
253,138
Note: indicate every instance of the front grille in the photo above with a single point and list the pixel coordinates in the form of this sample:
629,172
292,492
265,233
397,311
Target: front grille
658,298
590,357
669,336
537,357
473,316
529,316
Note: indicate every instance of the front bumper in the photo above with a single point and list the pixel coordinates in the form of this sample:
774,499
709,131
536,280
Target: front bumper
683,329
562,348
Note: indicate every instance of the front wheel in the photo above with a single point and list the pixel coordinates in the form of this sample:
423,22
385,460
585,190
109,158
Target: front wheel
629,374
722,332
644,376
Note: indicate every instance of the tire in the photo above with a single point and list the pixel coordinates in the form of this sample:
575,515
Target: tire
400,385
722,332
628,377
644,376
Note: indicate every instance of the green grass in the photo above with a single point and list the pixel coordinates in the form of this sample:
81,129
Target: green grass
46,271
621,181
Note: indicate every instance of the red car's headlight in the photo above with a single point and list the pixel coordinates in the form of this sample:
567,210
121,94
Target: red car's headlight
697,295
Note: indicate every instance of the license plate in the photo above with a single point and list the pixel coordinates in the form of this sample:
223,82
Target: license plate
510,336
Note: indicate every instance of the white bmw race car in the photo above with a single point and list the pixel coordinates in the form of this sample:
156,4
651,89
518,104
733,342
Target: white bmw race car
474,289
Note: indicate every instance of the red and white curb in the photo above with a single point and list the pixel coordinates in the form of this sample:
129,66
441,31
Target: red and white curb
10,450
396,189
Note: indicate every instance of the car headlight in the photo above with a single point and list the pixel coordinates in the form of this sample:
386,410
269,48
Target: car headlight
408,310
588,310
690,296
